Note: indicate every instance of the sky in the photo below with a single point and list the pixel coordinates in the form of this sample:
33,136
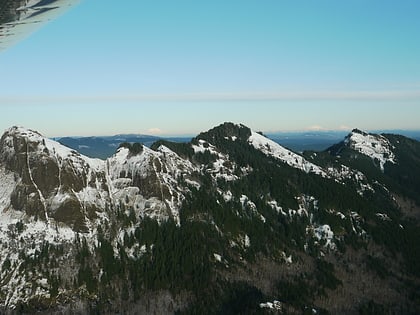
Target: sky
181,67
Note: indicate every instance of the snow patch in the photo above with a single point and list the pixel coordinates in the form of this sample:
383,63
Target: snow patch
247,241
275,305
273,204
217,257
227,196
383,216
325,233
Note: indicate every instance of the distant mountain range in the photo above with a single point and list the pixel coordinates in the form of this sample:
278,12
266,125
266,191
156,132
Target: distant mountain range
229,222
321,140
105,146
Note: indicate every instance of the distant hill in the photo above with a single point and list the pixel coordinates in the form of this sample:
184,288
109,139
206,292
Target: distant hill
103,147
303,141
321,140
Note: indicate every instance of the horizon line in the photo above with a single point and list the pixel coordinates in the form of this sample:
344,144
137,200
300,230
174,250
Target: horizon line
192,135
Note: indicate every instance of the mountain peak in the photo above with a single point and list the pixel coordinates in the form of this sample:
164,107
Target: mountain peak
20,131
377,147
358,131
227,130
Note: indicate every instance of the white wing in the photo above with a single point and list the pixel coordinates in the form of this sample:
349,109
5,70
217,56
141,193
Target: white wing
19,18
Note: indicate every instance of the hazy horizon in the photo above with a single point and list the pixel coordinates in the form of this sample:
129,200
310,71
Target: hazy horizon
270,133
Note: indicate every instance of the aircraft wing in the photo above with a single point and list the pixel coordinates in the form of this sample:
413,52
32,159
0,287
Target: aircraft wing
19,18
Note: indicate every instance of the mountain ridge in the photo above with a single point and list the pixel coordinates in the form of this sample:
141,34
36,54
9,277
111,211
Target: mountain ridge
127,227
105,146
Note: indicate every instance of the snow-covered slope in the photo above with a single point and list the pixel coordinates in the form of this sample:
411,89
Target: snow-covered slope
59,151
377,147
271,148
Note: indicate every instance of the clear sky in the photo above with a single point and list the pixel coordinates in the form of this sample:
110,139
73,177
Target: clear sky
180,67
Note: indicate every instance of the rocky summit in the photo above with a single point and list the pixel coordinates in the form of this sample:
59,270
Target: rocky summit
229,223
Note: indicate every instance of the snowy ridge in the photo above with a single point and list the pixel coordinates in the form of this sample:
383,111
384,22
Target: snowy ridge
60,152
58,174
271,148
377,147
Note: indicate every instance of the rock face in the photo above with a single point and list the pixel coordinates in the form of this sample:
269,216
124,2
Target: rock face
150,181
54,182
222,224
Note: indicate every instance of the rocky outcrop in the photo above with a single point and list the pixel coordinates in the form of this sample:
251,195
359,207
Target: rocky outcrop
55,182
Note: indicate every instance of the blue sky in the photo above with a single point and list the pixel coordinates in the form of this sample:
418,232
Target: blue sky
181,67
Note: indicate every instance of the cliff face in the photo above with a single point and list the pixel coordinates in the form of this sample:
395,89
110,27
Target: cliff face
53,182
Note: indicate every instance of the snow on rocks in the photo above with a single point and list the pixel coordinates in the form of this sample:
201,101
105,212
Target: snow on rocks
42,146
155,177
204,146
217,257
341,215
227,195
377,147
343,174
23,236
275,305
222,167
287,259
273,204
247,241
247,204
325,234
383,216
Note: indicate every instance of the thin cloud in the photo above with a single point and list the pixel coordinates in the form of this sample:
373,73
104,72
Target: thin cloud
316,128
396,95
344,128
